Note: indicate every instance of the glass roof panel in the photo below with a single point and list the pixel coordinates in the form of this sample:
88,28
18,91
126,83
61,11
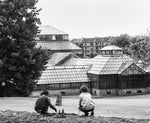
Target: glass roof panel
108,64
64,75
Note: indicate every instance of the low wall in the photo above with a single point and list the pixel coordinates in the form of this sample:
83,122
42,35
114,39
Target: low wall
115,92
96,92
134,91
104,92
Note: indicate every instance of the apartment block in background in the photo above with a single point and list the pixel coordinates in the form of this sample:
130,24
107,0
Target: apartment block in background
91,46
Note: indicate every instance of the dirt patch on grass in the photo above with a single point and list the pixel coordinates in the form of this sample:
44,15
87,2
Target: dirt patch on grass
26,117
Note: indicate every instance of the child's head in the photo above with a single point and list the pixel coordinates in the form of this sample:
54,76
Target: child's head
45,93
83,88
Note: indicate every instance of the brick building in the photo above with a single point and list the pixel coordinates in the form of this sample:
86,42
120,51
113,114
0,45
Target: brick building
91,46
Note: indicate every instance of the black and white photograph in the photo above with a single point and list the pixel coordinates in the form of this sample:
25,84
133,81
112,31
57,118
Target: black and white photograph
74,61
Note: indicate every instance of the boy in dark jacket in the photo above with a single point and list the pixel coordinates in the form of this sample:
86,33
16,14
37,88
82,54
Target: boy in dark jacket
43,102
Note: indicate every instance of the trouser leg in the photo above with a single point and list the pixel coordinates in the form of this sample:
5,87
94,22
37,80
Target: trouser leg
42,110
86,112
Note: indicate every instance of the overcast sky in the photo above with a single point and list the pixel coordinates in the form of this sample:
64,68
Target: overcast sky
96,18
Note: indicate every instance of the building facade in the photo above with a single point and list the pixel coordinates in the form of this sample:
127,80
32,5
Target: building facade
49,33
114,73
110,73
91,46
62,79
56,40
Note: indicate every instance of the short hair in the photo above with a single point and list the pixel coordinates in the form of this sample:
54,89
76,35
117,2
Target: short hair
84,88
45,93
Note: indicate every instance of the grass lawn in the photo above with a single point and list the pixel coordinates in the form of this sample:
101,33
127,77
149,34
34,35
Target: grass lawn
125,109
26,117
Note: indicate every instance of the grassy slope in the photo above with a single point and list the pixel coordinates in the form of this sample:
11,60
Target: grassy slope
26,117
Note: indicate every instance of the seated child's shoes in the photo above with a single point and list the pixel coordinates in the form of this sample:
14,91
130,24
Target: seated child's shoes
92,113
86,114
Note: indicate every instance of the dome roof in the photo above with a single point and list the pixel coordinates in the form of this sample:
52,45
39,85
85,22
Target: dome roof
111,47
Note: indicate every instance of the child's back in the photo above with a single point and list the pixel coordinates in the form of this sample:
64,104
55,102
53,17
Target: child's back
86,104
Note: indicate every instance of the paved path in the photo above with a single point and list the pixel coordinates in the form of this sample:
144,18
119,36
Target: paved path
128,107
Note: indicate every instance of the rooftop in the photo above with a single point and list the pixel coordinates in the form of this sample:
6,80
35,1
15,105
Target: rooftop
56,58
110,64
58,45
49,30
75,69
64,74
77,41
111,47
77,61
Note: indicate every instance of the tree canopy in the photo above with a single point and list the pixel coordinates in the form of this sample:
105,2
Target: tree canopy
137,46
21,62
140,48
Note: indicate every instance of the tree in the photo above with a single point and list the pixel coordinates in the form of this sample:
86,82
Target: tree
140,48
21,62
122,41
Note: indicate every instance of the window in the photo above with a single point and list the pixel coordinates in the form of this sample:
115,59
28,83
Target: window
45,37
139,91
53,37
108,92
64,85
128,92
129,84
118,52
103,52
94,93
65,37
107,52
59,37
54,86
87,44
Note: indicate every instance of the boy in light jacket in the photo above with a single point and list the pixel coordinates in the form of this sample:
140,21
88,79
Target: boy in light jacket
86,104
